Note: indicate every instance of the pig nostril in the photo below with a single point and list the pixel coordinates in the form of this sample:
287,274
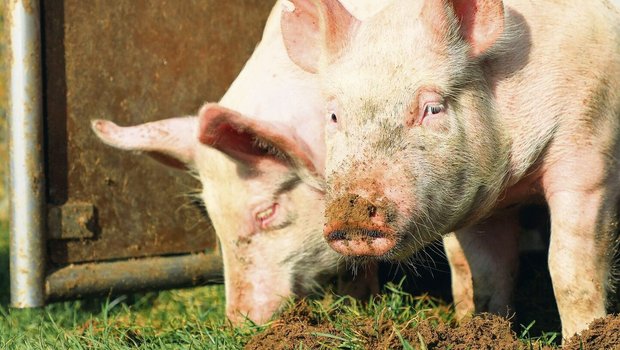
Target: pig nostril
338,235
375,234
372,211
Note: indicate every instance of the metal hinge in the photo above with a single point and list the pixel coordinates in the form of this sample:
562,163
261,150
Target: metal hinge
71,221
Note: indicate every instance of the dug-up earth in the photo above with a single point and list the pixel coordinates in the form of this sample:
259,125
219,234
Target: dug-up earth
301,327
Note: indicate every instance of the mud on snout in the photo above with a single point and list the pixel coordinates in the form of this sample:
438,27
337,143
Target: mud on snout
357,226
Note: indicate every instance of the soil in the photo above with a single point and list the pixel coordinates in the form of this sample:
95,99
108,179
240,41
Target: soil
603,333
301,325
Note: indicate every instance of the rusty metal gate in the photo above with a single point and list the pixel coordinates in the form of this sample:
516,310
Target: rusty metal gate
87,219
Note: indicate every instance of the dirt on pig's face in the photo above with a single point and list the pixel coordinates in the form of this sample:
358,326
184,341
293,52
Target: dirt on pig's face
269,231
414,148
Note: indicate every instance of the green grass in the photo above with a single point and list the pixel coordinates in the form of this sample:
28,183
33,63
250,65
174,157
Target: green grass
168,320
186,319
179,319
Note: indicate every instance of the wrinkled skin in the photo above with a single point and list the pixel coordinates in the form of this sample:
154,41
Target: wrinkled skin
443,115
267,219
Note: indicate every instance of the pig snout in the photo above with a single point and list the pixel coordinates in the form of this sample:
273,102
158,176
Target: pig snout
358,227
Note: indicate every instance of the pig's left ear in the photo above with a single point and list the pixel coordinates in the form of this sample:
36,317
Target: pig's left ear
481,22
252,142
169,140
315,32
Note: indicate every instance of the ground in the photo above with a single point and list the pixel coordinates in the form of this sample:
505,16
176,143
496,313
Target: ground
194,319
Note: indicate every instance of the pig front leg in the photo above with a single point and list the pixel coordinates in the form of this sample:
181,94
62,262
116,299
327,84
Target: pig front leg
483,262
460,274
583,225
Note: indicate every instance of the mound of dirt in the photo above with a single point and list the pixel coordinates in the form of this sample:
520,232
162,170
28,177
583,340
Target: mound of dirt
603,333
321,330
483,331
301,325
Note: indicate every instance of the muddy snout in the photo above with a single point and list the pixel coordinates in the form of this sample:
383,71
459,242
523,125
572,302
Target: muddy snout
357,226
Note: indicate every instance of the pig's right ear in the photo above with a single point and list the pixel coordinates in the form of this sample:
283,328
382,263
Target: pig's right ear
255,143
480,22
170,141
315,32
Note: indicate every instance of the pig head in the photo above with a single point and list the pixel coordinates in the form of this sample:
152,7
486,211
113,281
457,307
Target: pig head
259,154
433,125
399,171
267,220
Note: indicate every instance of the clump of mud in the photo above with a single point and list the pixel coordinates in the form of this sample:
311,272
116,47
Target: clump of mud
483,331
299,325
603,333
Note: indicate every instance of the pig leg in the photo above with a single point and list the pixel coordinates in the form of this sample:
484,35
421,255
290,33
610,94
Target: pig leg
460,273
483,261
583,225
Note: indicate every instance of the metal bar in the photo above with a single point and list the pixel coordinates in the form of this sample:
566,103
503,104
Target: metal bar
27,178
101,278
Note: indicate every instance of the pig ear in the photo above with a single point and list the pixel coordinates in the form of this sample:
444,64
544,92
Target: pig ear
481,22
171,141
315,32
251,141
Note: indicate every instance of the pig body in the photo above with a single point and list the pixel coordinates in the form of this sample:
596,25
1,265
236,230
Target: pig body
444,115
267,220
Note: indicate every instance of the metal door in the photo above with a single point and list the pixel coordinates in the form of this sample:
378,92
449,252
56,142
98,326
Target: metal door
115,221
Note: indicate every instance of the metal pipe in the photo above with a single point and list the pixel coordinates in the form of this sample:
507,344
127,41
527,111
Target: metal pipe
156,273
27,180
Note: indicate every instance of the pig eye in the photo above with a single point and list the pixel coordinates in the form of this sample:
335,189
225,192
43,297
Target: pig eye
334,118
433,109
265,216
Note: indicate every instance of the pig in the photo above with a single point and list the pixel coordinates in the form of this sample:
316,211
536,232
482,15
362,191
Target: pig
443,116
268,216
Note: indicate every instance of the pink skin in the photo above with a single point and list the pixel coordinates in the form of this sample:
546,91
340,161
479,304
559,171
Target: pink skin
267,219
458,110
375,248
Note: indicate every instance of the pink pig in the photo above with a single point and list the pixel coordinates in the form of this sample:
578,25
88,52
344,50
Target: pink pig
268,221
444,115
